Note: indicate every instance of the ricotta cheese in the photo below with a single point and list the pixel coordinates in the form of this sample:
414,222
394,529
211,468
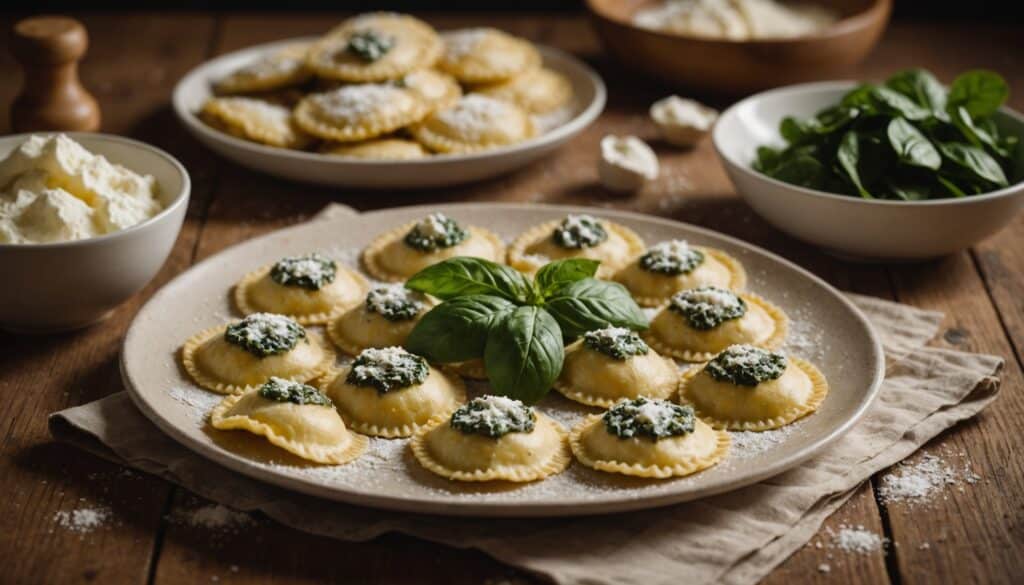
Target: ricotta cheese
627,163
737,20
682,122
54,190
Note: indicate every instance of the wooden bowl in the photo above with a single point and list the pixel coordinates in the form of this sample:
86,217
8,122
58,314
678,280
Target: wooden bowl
736,67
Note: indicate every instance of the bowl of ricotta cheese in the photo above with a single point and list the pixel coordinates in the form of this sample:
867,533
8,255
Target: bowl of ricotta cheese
86,220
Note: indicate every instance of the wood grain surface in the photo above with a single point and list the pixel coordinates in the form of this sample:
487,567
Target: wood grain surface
973,536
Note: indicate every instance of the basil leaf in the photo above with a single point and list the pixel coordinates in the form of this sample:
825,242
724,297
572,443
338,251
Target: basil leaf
899,104
922,87
976,161
561,272
456,330
590,304
461,276
524,354
980,91
911,146
848,156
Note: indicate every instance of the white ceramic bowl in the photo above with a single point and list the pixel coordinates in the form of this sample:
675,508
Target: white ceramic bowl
67,285
862,229
436,171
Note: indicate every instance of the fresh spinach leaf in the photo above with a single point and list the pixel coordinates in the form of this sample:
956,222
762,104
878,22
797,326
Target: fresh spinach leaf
590,304
768,159
848,156
803,170
456,330
911,146
835,118
922,87
524,354
978,135
561,272
980,91
860,98
976,161
908,191
951,187
898,104
461,276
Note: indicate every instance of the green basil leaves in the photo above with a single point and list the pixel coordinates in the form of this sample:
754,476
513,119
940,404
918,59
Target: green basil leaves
906,139
519,327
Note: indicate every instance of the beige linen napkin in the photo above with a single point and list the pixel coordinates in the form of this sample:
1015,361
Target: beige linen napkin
736,537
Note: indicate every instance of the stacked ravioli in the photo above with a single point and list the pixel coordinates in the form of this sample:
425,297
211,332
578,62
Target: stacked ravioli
657,404
388,86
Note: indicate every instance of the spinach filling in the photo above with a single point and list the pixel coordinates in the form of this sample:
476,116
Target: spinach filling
746,365
265,334
579,231
281,390
369,45
494,417
616,342
394,303
310,272
387,369
671,258
435,231
648,418
707,307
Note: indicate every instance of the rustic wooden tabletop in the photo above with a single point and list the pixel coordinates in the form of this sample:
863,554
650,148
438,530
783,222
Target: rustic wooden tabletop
975,535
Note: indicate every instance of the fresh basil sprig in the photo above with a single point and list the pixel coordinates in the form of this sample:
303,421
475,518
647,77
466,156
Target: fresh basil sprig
907,138
519,327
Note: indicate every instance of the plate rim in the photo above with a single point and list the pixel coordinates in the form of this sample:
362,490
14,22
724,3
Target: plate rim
200,72
419,505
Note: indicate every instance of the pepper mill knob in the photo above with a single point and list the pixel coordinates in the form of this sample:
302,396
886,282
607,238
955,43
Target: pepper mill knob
48,49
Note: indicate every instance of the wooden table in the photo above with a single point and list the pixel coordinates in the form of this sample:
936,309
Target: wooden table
976,535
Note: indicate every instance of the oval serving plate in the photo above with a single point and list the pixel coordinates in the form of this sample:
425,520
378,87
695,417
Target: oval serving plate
435,171
825,328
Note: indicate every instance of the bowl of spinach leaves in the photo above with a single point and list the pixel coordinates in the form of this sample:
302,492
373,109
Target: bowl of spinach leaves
905,169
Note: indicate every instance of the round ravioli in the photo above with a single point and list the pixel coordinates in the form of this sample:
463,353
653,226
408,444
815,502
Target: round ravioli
746,388
493,438
610,364
254,120
249,352
378,149
385,319
486,55
279,69
672,266
438,90
576,236
294,417
375,47
359,112
476,122
389,392
537,91
648,438
698,323
306,288
400,253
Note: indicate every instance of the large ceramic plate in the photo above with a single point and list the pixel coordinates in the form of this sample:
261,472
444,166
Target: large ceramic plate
826,329
435,171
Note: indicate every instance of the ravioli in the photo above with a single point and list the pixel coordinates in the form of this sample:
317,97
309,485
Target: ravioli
610,364
282,68
492,438
385,319
746,388
389,392
438,90
576,236
306,288
486,55
294,417
375,47
400,253
674,265
254,120
538,91
475,123
377,149
359,112
698,323
648,438
249,352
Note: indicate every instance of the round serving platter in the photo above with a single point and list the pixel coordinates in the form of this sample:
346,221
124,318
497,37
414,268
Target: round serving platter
826,329
435,171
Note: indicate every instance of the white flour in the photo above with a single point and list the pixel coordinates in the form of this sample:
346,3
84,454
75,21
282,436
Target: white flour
857,539
922,480
82,520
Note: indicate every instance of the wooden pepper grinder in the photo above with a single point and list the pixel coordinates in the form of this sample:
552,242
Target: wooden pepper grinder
48,49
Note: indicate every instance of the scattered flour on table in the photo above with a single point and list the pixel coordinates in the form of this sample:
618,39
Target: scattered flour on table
824,568
857,539
213,517
82,520
922,480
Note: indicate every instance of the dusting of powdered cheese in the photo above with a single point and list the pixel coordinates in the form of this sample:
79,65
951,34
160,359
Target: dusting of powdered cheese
710,297
434,225
257,327
474,115
463,42
386,298
353,104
